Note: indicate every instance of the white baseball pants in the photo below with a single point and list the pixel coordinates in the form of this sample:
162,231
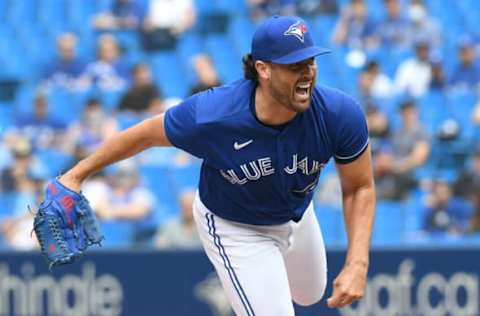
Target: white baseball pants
262,268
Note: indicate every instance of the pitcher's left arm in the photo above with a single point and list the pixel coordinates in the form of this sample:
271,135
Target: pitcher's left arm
358,192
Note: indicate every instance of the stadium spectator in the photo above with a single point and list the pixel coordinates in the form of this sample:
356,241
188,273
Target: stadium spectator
373,83
355,28
378,126
42,129
180,233
122,15
468,186
410,142
66,70
395,161
475,116
423,27
414,75
260,9
475,222
21,181
439,80
206,74
123,198
24,167
15,230
143,95
466,75
390,184
317,7
89,131
165,22
329,191
393,29
446,213
109,72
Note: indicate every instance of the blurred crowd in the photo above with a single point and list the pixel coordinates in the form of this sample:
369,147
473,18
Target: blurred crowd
418,85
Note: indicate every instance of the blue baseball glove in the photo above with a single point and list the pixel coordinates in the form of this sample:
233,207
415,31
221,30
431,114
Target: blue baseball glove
65,225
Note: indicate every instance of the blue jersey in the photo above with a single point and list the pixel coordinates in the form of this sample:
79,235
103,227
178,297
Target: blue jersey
258,174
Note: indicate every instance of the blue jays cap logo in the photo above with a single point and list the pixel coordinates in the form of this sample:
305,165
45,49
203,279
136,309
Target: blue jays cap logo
298,29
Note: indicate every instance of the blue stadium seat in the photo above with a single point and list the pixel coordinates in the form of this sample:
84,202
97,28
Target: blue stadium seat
240,33
64,105
232,7
111,99
323,26
327,73
461,102
330,219
168,74
21,13
186,177
158,180
80,12
433,110
54,160
414,213
204,6
126,120
6,115
24,98
52,14
389,223
189,45
227,62
7,203
118,234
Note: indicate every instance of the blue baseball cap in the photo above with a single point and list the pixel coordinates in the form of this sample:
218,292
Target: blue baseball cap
284,40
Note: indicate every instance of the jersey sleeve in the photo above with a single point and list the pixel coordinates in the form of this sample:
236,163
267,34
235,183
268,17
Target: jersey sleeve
352,133
182,128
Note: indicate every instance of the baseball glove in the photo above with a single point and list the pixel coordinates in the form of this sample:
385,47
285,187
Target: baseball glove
65,225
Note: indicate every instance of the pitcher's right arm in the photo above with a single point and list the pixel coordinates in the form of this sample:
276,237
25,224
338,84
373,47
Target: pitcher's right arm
146,134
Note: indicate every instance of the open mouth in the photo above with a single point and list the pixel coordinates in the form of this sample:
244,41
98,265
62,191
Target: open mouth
302,91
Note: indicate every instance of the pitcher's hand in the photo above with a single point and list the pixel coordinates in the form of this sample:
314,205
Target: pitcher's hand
348,286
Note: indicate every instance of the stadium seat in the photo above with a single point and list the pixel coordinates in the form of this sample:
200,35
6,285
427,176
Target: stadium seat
240,33
158,180
61,161
6,115
226,61
7,202
168,74
389,223
323,26
330,219
65,105
186,177
189,45
118,234
414,213
126,120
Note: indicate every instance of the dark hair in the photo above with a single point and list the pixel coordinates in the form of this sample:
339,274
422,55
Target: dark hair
371,65
407,104
93,102
137,67
249,71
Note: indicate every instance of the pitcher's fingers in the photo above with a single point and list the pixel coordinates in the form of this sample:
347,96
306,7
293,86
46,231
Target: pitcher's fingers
336,299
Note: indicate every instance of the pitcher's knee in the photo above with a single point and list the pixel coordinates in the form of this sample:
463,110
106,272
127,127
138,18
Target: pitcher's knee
309,297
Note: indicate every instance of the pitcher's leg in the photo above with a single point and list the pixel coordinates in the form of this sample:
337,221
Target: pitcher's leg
306,260
250,267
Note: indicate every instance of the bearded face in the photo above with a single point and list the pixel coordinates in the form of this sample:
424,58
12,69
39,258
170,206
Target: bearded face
292,85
